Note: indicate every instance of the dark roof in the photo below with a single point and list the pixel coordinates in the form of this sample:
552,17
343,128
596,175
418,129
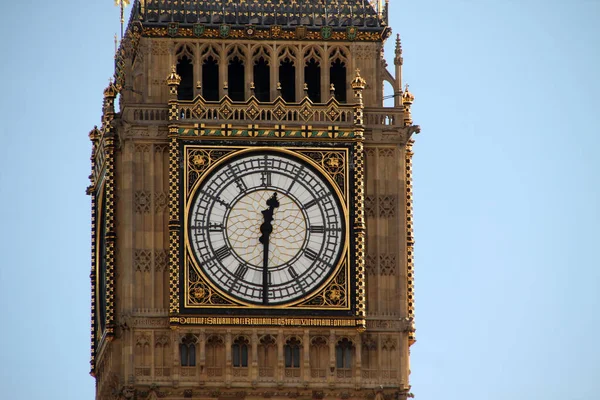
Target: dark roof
287,13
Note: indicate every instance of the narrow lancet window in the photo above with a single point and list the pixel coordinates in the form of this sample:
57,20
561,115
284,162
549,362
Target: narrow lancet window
236,79
287,78
210,79
185,70
312,78
262,80
337,74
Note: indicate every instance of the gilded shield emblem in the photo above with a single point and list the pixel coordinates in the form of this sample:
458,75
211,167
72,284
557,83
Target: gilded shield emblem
224,30
275,31
300,32
326,32
173,28
198,30
351,32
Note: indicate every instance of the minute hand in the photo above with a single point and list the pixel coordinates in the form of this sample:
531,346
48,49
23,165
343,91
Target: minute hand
265,229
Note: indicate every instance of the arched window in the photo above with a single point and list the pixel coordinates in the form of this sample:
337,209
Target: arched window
337,74
236,75
369,358
161,356
262,75
239,352
185,70
267,357
312,74
187,350
215,355
343,358
291,352
319,357
287,75
210,79
142,355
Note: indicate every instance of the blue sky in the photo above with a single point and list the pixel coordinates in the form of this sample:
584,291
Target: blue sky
506,192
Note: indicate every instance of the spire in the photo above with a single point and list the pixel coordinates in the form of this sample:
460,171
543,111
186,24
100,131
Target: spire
122,4
398,58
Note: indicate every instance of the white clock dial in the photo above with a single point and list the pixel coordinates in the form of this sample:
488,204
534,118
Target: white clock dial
306,234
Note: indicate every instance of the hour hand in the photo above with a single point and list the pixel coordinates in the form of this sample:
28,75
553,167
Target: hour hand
267,227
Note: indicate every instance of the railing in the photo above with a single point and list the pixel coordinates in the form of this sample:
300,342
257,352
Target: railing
384,116
214,371
292,373
266,372
162,371
240,371
278,110
389,374
344,373
188,371
369,374
245,113
142,371
318,373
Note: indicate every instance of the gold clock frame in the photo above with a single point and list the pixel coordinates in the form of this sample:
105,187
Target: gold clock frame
198,163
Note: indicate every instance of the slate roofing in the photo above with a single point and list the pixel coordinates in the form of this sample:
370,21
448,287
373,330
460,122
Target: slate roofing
287,13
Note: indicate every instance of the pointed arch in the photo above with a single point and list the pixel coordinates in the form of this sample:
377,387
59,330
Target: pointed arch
319,357
210,58
261,69
312,72
287,62
236,72
338,72
215,355
344,358
185,69
267,356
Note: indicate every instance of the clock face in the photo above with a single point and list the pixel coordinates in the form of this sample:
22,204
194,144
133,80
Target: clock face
266,228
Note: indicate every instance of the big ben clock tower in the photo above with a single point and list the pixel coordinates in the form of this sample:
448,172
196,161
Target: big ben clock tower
252,205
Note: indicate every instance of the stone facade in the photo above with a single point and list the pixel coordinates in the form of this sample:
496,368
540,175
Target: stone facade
139,347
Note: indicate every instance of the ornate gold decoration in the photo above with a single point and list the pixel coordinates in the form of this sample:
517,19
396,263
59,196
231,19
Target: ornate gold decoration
199,292
200,160
334,295
332,162
410,242
360,228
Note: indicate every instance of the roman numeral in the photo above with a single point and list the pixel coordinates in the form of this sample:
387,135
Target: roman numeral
293,272
317,229
222,253
213,227
310,254
310,204
265,178
241,270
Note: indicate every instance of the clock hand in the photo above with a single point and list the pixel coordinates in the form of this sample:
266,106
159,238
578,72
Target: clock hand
266,228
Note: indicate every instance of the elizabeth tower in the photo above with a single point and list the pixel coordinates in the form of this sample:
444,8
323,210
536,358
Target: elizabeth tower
252,205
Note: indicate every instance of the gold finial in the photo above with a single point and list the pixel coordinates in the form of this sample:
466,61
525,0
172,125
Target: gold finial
358,83
110,90
407,97
122,4
173,79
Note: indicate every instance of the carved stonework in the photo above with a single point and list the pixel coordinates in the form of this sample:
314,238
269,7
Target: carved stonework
142,199
142,260
387,206
387,264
